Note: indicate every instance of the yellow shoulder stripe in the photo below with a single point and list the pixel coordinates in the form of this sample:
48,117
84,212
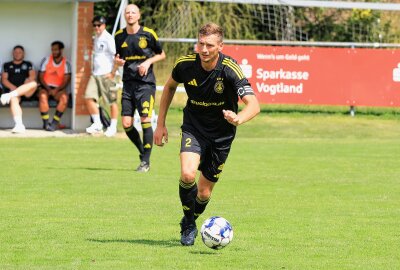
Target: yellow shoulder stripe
151,31
234,67
190,57
184,60
118,32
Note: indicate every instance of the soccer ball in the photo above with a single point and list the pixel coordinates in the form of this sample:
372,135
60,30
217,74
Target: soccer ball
216,232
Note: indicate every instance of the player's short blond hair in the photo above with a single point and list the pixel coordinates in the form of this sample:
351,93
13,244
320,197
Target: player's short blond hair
212,29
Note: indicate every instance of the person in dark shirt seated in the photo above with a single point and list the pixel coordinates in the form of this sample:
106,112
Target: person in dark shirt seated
18,79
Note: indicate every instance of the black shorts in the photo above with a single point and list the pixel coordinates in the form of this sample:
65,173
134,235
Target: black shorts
213,152
137,96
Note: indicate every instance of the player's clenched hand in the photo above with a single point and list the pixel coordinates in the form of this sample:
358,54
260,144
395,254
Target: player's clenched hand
120,62
159,134
231,117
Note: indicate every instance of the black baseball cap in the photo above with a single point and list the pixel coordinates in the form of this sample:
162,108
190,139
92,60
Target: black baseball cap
99,19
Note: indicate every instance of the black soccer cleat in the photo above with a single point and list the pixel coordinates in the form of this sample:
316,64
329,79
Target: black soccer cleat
51,127
143,167
188,233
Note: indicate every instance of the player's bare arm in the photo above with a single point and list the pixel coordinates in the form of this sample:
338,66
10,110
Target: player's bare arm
32,76
67,79
6,82
42,82
161,132
251,109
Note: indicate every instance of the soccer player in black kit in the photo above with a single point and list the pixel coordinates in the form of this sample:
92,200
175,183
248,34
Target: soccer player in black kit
137,49
213,83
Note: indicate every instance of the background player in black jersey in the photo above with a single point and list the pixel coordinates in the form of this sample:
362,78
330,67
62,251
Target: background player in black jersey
137,49
213,82
18,79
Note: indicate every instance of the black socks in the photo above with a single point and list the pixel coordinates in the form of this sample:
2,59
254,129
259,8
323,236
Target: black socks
187,194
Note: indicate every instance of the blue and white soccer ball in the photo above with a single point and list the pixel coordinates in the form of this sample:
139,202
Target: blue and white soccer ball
216,232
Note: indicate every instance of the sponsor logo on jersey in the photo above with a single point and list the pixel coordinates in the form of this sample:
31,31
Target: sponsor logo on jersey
135,57
124,45
206,104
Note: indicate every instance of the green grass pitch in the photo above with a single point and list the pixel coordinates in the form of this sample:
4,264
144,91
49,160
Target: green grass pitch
302,191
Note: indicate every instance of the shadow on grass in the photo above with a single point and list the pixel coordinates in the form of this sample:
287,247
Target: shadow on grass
91,168
165,243
203,253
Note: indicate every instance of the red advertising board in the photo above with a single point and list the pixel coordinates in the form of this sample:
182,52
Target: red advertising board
321,76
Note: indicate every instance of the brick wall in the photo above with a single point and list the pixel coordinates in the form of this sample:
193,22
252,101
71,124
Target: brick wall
84,48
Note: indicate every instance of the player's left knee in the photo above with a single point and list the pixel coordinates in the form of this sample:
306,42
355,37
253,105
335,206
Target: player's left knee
204,193
188,176
127,123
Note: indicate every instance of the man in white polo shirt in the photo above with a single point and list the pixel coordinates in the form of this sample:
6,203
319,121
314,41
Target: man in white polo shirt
101,83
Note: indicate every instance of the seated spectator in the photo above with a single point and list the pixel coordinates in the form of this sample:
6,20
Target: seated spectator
18,79
54,77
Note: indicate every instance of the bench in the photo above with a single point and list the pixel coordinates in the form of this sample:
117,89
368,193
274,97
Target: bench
34,103
31,115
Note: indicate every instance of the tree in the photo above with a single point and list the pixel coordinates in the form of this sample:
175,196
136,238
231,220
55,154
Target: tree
181,19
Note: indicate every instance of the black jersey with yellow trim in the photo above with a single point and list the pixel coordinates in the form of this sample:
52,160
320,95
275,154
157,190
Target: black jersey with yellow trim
135,49
17,73
210,92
